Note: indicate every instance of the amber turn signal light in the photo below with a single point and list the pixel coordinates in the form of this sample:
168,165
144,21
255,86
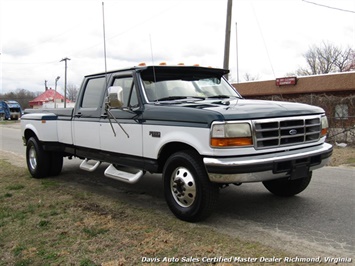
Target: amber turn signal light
230,142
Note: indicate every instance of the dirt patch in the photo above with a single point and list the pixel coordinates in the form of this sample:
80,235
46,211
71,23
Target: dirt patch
13,158
343,156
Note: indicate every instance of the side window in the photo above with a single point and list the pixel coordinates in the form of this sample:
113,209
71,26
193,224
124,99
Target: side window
130,98
92,94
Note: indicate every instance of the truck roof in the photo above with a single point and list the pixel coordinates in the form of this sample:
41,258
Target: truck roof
171,70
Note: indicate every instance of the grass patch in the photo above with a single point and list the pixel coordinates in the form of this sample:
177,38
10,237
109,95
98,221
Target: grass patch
49,183
15,187
93,232
8,195
351,161
47,222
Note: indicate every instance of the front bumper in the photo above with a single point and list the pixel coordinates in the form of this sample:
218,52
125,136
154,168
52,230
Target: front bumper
257,168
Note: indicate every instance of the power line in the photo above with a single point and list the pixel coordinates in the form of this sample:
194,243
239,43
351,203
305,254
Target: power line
336,8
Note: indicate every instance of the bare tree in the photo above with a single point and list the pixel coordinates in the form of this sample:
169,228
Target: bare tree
72,92
327,58
350,65
250,77
346,60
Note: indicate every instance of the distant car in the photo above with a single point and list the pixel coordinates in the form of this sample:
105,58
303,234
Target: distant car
10,110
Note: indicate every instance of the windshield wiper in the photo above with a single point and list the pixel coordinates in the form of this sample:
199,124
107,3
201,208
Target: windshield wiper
172,98
219,97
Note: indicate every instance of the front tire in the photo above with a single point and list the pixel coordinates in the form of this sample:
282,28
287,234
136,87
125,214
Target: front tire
287,188
38,161
188,191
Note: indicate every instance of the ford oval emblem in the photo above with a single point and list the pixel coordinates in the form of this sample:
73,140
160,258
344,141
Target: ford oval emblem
293,132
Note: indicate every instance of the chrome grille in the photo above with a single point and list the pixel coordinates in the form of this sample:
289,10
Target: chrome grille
280,132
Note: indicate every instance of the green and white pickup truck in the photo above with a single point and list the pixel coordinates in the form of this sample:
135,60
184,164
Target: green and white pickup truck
187,123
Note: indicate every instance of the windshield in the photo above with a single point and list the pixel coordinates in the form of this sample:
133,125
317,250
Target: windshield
173,89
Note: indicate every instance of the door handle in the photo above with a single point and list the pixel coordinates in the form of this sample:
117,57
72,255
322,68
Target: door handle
78,114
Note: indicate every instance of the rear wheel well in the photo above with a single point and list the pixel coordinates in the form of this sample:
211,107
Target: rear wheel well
170,149
28,134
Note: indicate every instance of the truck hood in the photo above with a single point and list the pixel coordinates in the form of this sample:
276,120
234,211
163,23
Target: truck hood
257,109
209,110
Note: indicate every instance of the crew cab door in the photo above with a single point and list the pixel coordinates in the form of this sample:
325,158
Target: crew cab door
128,139
86,121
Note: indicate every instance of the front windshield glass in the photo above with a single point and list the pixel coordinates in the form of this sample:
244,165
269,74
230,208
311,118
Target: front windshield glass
173,89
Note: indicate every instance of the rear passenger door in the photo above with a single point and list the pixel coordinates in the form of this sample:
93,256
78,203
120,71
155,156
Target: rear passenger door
86,121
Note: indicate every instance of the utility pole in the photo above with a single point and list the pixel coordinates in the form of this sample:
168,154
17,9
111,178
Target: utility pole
237,52
55,87
65,81
228,35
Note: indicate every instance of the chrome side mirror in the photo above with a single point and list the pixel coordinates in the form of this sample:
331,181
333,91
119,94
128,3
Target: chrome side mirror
115,97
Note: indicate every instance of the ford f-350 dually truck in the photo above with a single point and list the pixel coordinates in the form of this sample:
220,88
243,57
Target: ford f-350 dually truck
185,122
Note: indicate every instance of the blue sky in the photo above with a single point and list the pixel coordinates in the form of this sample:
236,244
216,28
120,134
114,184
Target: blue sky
272,36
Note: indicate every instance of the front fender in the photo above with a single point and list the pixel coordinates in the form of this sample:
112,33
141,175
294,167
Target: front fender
157,137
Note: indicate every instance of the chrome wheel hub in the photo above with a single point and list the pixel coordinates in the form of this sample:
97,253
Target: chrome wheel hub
183,187
32,158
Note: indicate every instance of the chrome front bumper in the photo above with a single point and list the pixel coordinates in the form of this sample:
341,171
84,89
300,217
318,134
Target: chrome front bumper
265,167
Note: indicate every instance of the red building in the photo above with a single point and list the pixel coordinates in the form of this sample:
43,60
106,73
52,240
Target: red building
47,97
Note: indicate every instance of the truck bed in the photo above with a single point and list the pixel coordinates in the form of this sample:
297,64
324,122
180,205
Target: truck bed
68,112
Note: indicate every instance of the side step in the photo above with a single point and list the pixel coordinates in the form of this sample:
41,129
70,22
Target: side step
85,165
128,175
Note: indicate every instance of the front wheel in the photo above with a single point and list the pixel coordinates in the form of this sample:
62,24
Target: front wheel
188,191
287,188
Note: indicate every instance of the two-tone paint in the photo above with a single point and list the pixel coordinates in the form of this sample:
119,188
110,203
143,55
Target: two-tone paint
154,130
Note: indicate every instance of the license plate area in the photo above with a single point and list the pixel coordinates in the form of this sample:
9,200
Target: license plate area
299,171
295,169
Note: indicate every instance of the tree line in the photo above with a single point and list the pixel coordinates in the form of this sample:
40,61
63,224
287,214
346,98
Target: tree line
23,96
327,58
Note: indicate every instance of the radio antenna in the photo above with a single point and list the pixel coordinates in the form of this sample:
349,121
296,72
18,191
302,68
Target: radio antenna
104,35
151,52
107,103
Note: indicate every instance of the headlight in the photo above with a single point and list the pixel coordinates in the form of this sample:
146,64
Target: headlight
231,135
324,123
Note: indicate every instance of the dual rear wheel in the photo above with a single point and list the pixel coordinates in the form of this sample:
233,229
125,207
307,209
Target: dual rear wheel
41,163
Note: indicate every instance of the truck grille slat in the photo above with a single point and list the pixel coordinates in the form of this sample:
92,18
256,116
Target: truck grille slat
278,132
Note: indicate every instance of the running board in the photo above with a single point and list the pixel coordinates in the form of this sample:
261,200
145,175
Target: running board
130,177
85,165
